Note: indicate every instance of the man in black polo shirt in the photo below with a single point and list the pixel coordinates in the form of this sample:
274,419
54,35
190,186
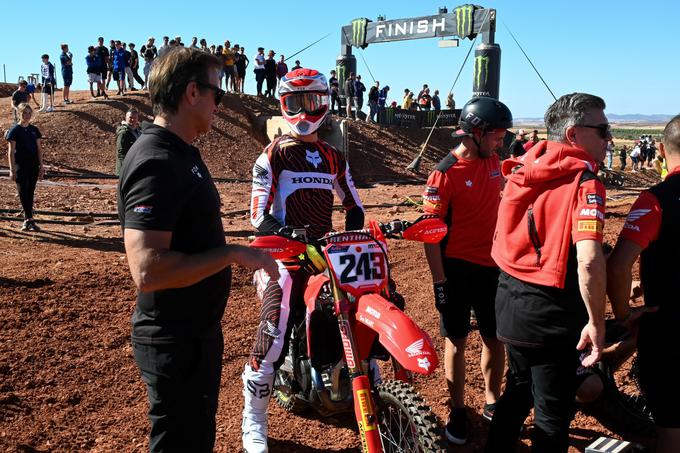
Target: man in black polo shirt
651,232
170,212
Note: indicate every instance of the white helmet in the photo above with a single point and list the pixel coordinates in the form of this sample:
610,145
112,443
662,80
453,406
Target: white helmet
304,100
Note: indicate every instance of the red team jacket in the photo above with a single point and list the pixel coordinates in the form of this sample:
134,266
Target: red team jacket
551,200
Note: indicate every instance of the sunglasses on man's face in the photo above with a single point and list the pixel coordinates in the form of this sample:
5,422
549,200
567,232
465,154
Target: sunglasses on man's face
604,129
219,92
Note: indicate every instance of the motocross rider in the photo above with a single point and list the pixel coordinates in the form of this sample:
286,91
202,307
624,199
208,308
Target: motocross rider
293,183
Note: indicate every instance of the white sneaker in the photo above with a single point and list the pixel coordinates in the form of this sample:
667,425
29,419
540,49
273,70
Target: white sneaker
49,109
257,389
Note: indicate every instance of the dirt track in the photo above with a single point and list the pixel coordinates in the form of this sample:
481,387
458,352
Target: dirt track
67,378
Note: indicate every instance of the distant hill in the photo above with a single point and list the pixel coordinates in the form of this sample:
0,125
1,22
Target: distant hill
657,118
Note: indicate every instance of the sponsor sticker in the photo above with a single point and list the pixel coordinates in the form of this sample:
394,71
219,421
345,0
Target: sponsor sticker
430,190
143,209
366,410
594,226
495,173
592,212
593,198
424,363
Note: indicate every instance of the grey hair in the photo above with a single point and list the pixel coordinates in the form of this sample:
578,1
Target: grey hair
671,135
569,110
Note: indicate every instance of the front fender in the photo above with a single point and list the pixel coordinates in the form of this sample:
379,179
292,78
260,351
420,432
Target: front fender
410,345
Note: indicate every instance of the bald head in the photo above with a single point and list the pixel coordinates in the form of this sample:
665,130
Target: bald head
671,136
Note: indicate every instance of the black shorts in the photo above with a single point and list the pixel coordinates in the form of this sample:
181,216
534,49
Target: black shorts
118,75
470,286
659,373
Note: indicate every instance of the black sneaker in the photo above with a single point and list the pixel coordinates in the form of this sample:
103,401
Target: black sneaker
457,427
33,226
488,411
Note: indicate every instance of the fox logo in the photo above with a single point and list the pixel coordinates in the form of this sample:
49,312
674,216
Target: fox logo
258,390
313,158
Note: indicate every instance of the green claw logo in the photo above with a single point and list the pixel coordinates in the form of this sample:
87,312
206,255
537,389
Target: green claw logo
431,115
389,115
340,70
359,32
481,66
464,16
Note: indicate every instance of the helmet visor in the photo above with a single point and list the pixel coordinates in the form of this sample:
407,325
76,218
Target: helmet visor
310,103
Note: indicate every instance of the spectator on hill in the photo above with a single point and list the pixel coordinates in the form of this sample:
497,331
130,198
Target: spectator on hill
212,49
127,70
165,48
204,45
359,89
25,161
297,65
178,41
112,50
651,152
66,60
373,102
220,56
18,97
349,93
103,54
281,69
94,76
49,83
229,72
194,43
425,101
517,146
118,67
334,87
382,95
127,133
407,102
270,73
436,102
622,156
450,102
421,92
149,53
134,66
241,66
259,69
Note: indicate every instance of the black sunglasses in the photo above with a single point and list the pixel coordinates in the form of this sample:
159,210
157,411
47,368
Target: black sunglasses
219,92
604,129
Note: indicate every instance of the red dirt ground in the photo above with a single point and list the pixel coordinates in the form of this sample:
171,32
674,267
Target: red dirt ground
67,378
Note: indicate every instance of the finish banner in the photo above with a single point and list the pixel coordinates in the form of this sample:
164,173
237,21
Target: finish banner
464,21
417,118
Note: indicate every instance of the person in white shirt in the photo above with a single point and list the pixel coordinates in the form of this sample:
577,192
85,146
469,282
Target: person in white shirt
259,69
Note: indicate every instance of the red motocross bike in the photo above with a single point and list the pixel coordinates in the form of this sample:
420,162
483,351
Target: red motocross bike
351,318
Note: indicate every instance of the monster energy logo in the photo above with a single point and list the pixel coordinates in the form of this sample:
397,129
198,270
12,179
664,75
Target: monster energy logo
431,116
481,66
359,32
389,115
464,16
340,69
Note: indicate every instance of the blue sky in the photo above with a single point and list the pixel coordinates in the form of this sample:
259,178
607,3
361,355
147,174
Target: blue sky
625,51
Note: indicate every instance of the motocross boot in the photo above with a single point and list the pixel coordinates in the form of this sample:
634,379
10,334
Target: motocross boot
257,389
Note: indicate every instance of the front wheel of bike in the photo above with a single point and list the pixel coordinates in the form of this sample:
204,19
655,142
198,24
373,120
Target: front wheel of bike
405,422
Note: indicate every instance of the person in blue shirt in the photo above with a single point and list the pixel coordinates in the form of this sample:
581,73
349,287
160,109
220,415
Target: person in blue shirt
119,67
94,71
66,59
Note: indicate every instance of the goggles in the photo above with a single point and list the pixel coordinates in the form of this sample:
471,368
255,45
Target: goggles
310,103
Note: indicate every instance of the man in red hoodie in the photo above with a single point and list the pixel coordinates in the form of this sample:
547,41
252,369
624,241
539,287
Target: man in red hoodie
464,191
548,245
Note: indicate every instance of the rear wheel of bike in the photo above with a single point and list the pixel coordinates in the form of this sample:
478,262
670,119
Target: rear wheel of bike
406,423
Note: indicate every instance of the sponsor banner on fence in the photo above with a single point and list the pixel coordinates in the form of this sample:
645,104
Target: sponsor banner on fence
417,118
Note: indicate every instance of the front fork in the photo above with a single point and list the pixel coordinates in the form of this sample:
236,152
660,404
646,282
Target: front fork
364,408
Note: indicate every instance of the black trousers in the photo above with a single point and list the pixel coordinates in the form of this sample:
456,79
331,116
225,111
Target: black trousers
542,378
27,178
183,383
138,78
259,78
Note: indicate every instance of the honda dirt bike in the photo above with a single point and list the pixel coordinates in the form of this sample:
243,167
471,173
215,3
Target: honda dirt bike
351,318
